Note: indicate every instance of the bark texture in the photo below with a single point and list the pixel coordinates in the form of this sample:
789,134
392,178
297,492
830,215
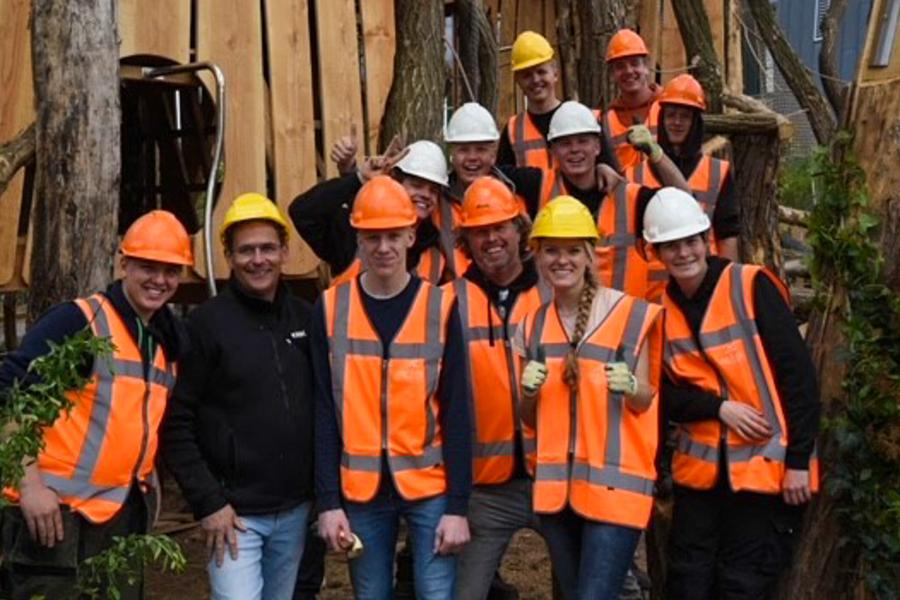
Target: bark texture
795,73
835,90
414,103
76,57
696,33
478,52
15,154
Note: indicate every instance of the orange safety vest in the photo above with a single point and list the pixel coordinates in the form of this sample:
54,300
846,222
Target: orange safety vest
493,378
616,133
592,451
730,362
385,402
94,453
447,218
430,268
530,147
619,264
706,183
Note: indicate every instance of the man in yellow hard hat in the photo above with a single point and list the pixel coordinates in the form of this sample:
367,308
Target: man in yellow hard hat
523,141
94,478
238,434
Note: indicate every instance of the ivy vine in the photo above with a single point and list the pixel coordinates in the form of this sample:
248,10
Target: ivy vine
848,273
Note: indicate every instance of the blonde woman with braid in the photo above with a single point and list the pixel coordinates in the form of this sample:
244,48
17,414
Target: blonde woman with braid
590,372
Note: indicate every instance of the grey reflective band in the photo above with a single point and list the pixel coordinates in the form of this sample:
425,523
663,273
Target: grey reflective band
431,351
529,445
447,237
612,478
521,146
695,449
620,239
435,268
489,449
536,350
551,472
84,489
611,142
639,173
372,464
462,303
709,196
708,340
135,369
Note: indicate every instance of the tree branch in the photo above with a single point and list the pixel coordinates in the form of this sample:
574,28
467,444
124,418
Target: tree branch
818,111
828,70
15,154
568,55
696,33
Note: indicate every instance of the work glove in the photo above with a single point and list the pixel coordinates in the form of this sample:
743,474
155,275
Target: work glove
641,138
533,377
620,379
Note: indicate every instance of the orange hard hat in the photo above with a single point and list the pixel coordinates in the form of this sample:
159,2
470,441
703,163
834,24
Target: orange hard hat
684,90
160,237
488,201
624,43
382,203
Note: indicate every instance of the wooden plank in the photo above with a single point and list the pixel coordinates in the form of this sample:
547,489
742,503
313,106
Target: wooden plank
549,30
734,61
16,112
506,106
715,10
649,26
340,94
380,42
161,27
671,56
293,121
229,33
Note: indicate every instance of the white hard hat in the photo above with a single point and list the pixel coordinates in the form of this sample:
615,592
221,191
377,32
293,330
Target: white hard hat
425,160
572,118
673,214
471,123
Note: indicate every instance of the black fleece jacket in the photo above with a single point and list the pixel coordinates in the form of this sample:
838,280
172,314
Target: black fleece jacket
238,429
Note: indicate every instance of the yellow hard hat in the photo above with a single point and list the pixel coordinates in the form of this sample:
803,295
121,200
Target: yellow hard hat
252,207
530,49
564,217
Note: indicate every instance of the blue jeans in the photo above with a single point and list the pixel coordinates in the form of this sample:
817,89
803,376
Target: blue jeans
591,558
268,557
376,523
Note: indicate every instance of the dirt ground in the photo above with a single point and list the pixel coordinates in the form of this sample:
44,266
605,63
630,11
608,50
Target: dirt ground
526,566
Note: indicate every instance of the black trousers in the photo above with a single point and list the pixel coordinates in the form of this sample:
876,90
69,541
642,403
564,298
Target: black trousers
729,546
32,570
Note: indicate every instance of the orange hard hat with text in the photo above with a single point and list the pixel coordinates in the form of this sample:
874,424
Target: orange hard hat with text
683,90
382,203
160,237
624,43
488,201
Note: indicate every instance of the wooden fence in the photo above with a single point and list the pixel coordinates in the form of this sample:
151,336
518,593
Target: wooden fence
298,73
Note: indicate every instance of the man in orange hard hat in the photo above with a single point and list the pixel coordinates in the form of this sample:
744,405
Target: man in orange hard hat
94,479
631,119
392,430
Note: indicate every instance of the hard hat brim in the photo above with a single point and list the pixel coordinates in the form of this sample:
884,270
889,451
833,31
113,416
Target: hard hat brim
379,224
160,256
531,63
677,234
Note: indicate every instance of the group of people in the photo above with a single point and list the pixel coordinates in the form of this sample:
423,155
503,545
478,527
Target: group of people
505,344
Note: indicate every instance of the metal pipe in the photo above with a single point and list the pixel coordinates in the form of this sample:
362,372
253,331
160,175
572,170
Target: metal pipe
217,155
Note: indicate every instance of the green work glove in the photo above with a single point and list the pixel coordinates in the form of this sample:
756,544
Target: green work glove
641,138
620,379
533,377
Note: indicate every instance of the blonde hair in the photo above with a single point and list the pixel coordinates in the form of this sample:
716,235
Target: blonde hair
585,302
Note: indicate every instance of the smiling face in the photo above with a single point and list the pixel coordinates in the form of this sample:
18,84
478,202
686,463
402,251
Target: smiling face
424,194
495,249
538,83
563,262
685,259
383,251
148,284
576,154
630,74
678,120
256,255
471,160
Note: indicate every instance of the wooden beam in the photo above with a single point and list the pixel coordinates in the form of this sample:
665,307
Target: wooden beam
161,27
380,42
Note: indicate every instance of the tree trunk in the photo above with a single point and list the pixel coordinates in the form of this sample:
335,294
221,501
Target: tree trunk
568,51
478,52
696,33
795,73
76,78
828,69
15,154
414,104
598,21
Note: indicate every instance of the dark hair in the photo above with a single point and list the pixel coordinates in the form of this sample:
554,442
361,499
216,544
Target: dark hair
228,241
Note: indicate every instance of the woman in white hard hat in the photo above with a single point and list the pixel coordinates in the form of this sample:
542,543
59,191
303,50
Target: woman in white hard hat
740,383
591,367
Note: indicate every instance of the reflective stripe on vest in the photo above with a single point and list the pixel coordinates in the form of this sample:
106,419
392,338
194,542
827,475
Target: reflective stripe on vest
493,379
730,362
619,264
616,134
447,219
592,452
528,144
386,404
552,185
94,453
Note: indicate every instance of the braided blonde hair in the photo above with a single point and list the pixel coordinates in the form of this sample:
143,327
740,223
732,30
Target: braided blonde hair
585,302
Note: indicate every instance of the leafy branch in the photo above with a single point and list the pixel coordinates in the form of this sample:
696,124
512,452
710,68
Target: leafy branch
101,576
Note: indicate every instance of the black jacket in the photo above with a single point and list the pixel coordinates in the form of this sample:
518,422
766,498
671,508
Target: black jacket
239,426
